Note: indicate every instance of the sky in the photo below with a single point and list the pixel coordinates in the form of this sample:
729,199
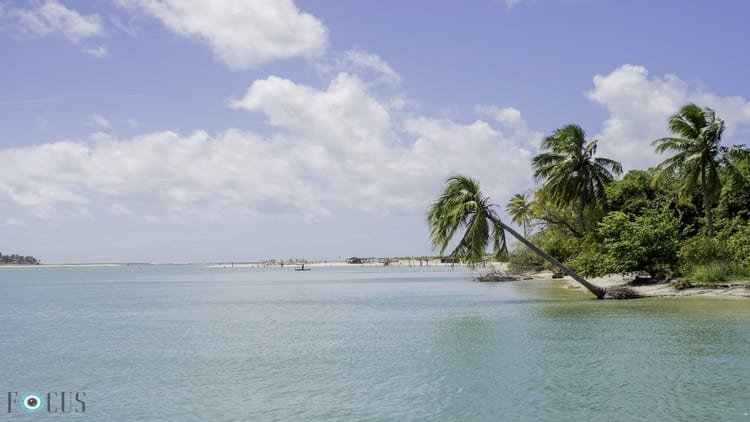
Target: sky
244,130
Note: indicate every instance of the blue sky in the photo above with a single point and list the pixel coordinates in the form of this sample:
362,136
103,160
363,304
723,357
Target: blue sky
172,131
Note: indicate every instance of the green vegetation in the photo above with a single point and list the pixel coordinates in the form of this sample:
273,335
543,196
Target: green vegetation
628,243
688,217
572,176
463,206
519,210
696,156
18,259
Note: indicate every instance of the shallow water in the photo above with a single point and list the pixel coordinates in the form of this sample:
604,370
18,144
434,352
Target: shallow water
188,342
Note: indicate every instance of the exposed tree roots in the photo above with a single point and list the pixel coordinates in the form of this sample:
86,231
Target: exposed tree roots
620,293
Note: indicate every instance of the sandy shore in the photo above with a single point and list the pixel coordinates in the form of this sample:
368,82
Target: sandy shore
664,289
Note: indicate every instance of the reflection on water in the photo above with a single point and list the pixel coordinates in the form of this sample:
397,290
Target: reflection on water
362,343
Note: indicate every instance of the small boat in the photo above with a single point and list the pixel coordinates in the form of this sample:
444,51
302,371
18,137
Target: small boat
302,268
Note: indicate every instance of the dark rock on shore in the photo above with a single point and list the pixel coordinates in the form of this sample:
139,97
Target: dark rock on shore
621,292
499,276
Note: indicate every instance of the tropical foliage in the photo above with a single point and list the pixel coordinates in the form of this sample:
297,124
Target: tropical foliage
519,210
696,156
571,173
18,259
688,217
648,242
463,207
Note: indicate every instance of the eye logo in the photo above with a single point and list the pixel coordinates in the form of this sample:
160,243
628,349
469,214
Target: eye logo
32,402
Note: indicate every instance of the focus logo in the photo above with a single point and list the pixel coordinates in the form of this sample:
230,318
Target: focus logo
32,402
51,402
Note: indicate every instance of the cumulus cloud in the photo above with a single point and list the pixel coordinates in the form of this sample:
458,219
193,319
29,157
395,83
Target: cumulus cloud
639,106
511,119
52,17
97,120
100,51
242,33
360,62
373,62
230,171
333,147
351,141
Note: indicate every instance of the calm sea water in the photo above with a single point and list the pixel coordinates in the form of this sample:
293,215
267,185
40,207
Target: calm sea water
351,343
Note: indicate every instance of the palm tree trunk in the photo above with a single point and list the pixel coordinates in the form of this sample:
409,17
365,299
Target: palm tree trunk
706,204
599,292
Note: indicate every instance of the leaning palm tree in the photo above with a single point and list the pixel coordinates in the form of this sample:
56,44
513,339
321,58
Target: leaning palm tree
463,207
570,172
696,155
519,210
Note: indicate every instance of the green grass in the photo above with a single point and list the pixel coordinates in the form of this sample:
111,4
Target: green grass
719,272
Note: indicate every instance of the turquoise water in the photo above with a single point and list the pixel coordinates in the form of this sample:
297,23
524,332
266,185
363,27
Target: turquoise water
352,343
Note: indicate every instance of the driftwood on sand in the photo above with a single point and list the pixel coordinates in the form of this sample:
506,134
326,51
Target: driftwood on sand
495,275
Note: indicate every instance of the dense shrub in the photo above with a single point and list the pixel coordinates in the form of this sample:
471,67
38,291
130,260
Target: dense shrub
716,260
738,245
701,250
524,260
558,243
594,264
633,194
711,272
647,242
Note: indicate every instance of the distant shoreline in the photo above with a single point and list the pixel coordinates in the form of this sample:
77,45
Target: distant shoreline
394,263
738,290
316,264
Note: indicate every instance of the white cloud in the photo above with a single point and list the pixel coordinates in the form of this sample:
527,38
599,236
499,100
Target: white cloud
368,66
27,184
335,147
363,61
350,141
510,116
228,172
639,106
242,33
128,28
100,51
444,148
97,120
52,17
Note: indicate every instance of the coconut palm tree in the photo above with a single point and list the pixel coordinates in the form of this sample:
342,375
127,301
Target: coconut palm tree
519,210
570,172
696,155
462,206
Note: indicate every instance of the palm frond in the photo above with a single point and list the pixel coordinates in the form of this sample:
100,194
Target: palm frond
462,207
